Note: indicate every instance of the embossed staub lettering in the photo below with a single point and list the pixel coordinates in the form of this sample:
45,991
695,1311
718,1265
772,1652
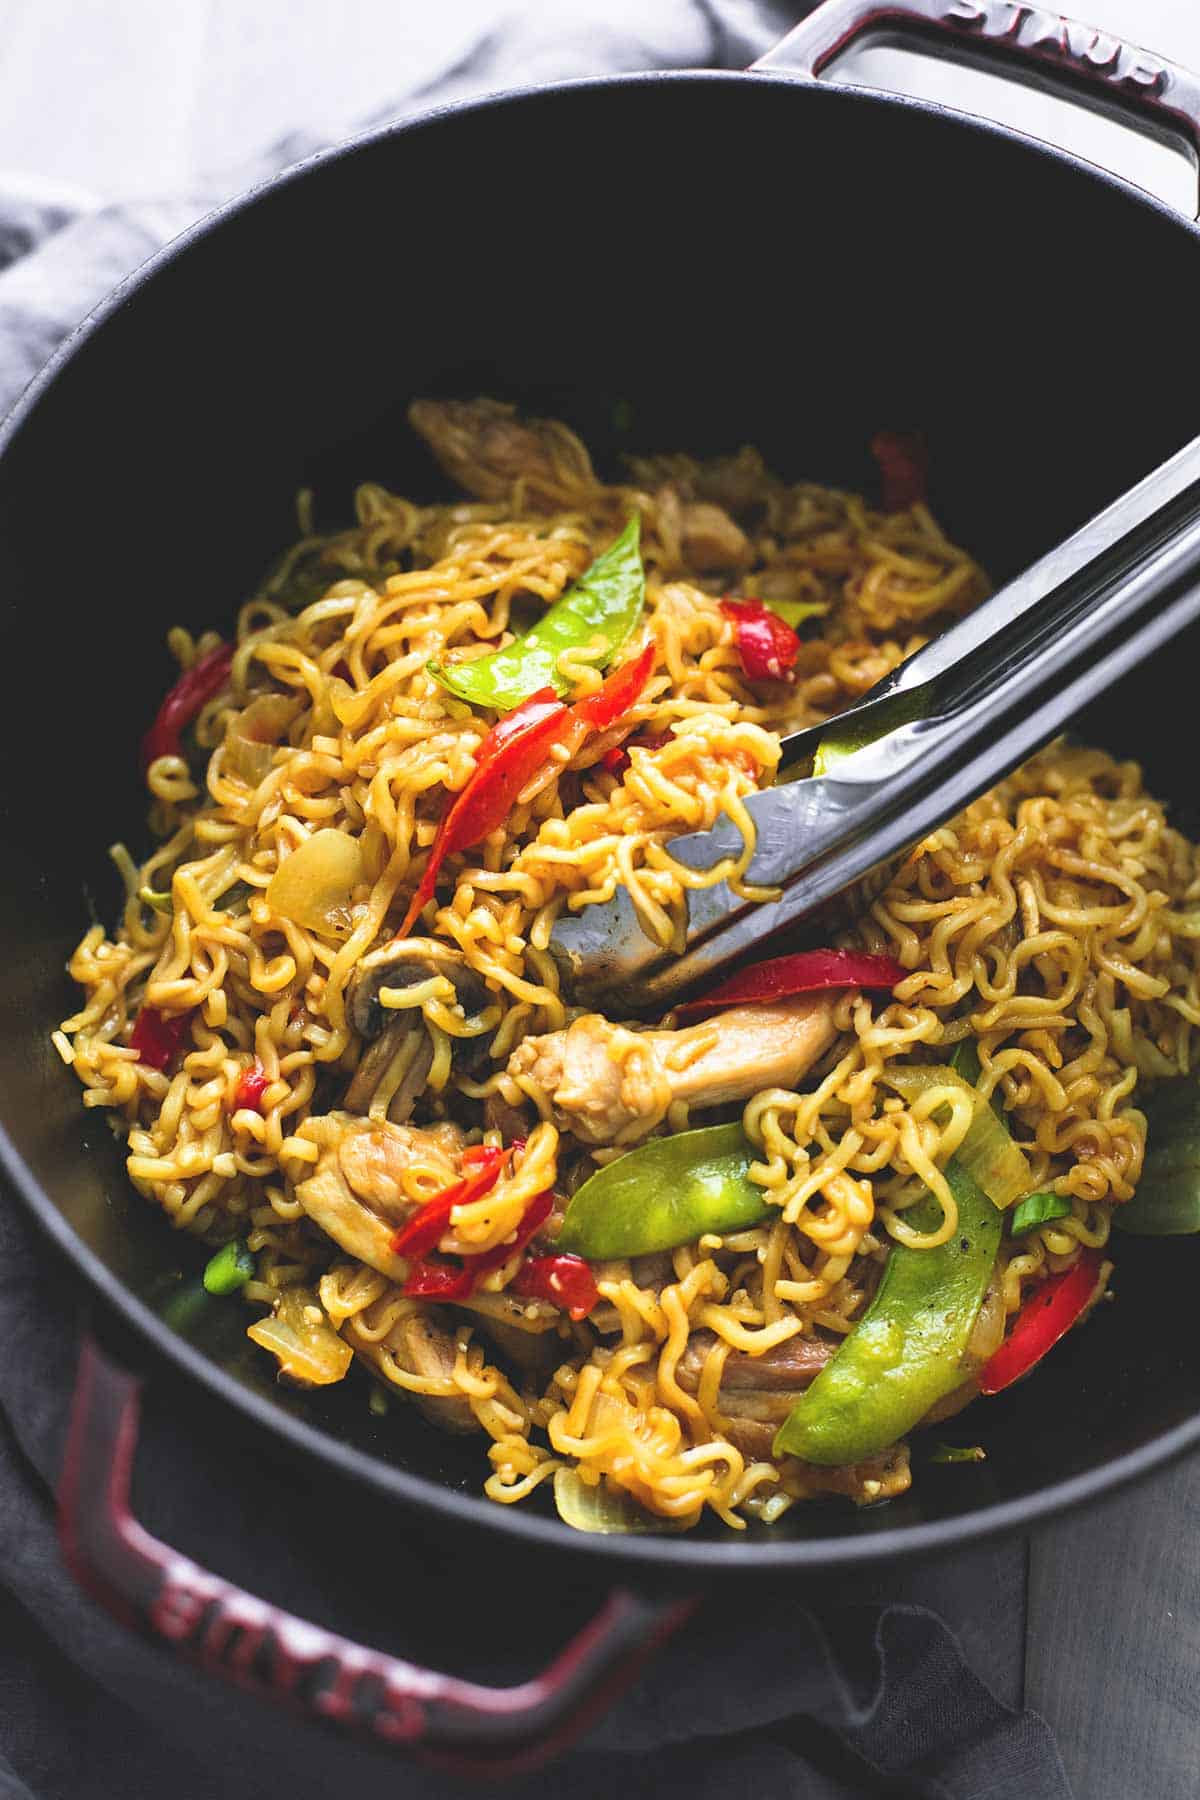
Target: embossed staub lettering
254,1644
1080,47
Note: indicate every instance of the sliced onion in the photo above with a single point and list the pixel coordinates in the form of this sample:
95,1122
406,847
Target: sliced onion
248,758
601,1509
308,1349
254,736
987,1153
314,885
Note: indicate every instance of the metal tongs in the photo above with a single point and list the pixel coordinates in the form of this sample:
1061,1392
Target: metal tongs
936,733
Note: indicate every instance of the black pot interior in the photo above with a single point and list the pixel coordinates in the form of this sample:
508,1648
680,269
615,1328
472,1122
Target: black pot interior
741,260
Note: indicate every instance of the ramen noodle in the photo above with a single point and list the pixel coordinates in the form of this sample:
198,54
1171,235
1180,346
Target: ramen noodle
294,1084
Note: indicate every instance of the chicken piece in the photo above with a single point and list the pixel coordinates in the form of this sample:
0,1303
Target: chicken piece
369,1177
484,447
738,483
880,1477
420,1344
610,1085
711,540
508,1120
533,1354
760,1388
656,1270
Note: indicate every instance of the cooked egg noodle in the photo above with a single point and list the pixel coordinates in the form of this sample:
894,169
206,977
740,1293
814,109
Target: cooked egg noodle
1056,922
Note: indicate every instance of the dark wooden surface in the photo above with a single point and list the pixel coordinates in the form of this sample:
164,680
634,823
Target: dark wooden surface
137,98
1112,1654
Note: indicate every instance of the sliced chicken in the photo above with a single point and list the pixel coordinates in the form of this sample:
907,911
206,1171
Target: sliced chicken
369,1177
610,1085
736,483
880,1477
531,1355
484,447
756,1395
711,539
760,1388
421,1345
509,1121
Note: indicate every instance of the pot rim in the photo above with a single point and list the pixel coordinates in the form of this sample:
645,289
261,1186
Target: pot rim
673,1557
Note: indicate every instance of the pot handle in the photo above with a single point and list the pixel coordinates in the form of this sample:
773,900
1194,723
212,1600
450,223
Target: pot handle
268,1651
1113,76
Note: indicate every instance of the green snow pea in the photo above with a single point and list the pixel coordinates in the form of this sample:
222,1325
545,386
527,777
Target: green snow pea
907,1350
606,601
667,1192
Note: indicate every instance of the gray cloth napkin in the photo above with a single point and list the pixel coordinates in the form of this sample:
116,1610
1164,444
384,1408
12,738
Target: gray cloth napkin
871,1691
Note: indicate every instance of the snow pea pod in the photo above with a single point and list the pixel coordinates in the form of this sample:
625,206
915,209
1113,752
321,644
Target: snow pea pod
667,1192
606,601
907,1351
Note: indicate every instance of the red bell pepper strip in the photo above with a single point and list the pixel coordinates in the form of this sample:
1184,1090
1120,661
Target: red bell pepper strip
251,1087
766,646
1046,1316
157,1036
617,692
513,752
807,972
437,1278
565,1281
195,687
510,755
618,759
429,1222
903,460
535,1214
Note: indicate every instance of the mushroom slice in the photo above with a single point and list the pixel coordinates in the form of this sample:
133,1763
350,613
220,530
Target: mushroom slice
401,1051
409,963
401,1057
369,1177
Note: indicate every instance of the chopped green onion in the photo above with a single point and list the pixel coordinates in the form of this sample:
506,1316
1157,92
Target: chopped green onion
1038,1209
956,1453
377,1402
230,1269
159,903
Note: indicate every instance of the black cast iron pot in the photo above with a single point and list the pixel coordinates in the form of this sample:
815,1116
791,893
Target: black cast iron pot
747,258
